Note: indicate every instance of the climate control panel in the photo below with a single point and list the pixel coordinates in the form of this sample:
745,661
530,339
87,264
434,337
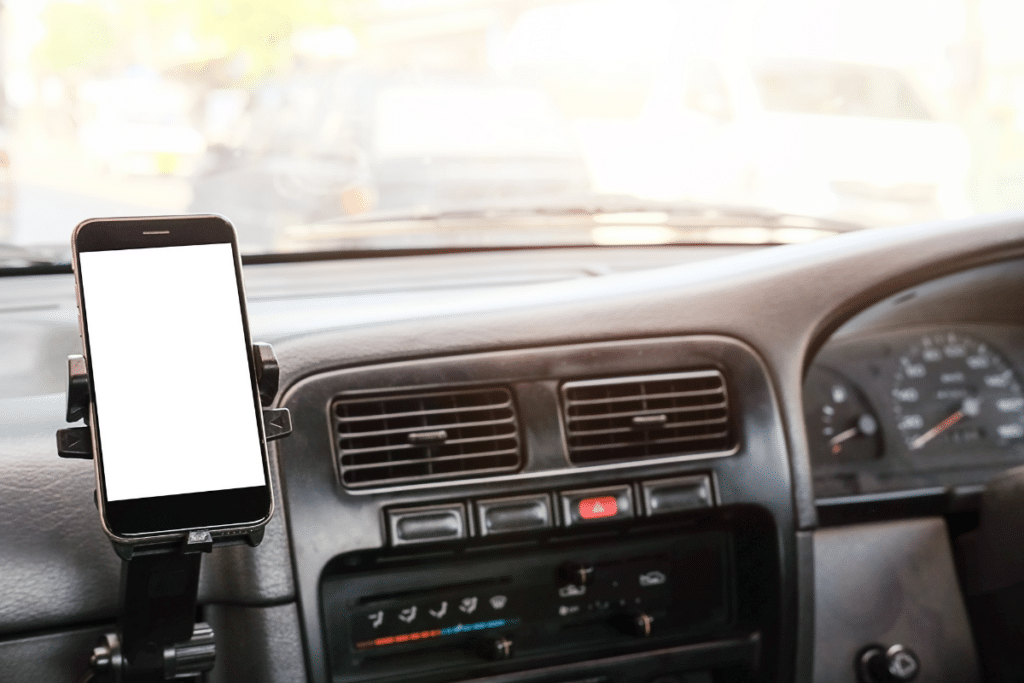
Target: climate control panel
579,598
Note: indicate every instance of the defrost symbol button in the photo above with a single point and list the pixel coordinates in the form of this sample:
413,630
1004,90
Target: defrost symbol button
498,601
571,591
652,578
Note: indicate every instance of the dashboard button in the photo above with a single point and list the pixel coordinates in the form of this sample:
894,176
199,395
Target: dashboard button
666,496
589,506
426,524
598,507
508,515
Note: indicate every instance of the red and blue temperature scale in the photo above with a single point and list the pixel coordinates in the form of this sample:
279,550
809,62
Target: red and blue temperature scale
436,633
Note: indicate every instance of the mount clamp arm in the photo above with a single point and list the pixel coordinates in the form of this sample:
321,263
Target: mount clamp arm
76,442
157,638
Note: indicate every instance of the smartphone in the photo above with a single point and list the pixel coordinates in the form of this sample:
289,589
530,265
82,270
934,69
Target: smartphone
175,415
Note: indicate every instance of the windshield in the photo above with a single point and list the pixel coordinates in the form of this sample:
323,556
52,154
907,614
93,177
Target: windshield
380,124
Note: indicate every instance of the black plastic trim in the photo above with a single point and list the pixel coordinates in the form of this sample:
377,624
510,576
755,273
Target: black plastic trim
804,612
876,507
356,254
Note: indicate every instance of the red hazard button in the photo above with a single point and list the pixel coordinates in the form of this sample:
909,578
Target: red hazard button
609,503
594,508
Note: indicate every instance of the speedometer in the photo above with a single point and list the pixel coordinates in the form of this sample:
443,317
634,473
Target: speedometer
952,390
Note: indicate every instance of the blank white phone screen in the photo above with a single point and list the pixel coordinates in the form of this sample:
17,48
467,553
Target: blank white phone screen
174,397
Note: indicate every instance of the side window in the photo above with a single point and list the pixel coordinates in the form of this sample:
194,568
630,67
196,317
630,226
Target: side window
705,90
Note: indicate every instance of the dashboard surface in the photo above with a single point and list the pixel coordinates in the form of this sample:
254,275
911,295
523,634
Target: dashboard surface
783,311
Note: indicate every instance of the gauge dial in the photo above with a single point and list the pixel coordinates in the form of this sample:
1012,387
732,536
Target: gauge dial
952,390
841,427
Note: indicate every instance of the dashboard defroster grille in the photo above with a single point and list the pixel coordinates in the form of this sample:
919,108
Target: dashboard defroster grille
631,418
425,436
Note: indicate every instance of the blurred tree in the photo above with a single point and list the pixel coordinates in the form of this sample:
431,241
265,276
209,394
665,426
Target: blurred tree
79,35
99,35
259,30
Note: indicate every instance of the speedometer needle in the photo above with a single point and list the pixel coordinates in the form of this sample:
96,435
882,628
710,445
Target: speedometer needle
920,441
970,407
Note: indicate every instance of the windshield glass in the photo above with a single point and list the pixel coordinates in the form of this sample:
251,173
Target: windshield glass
380,124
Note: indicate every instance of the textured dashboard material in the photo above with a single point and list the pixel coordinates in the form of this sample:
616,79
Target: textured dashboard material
885,584
57,566
52,657
256,644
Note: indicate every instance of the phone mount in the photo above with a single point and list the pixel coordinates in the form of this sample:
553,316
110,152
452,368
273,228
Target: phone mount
157,637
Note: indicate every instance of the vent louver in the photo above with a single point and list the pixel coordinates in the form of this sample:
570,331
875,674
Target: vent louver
631,418
427,436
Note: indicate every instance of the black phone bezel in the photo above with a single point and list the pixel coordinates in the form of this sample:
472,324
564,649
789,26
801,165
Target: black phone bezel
241,507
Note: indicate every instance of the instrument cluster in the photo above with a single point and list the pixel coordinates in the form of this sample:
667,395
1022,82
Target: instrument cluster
911,409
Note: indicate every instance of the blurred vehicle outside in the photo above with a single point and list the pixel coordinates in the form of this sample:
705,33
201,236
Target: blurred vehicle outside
349,143
139,124
851,141
287,159
841,120
471,145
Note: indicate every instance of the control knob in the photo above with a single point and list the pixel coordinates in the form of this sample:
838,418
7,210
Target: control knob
576,574
637,624
495,648
642,624
897,664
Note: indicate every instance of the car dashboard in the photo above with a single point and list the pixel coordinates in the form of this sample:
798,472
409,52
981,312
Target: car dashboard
625,464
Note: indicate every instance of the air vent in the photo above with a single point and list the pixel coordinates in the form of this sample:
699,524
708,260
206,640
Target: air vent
416,437
631,418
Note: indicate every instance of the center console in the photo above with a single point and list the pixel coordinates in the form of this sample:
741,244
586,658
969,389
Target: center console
597,513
